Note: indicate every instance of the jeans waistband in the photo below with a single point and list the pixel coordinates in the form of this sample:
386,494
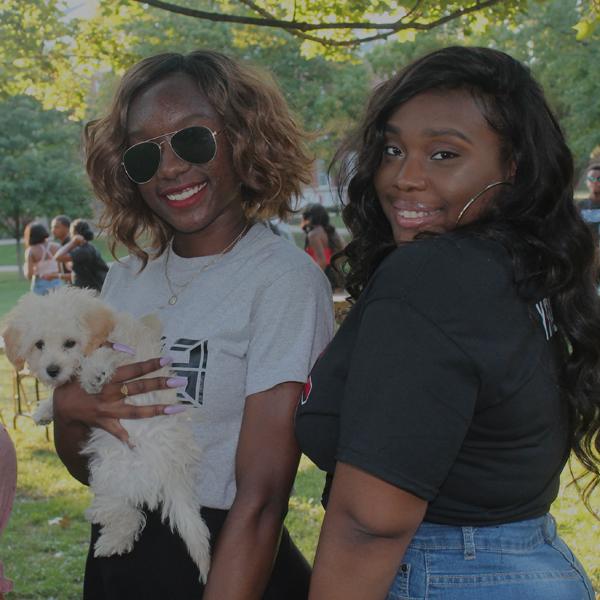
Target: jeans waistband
520,536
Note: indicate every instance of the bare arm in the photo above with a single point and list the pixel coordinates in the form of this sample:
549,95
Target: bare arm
367,528
266,463
62,254
29,264
76,411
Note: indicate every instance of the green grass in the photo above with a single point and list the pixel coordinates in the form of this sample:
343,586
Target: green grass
8,254
11,289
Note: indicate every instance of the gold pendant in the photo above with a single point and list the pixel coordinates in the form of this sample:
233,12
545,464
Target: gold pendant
172,299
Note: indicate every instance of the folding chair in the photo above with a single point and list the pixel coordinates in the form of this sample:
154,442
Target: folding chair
23,405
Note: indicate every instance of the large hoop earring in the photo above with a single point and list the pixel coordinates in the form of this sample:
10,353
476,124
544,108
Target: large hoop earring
466,207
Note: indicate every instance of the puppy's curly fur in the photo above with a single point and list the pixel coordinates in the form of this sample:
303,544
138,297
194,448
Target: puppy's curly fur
60,336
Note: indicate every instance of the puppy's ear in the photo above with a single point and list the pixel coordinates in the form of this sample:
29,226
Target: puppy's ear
99,321
12,346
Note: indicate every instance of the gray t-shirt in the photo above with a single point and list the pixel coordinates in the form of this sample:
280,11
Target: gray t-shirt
257,316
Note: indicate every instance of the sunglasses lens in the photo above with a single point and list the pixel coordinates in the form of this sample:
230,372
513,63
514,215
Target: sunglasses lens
141,161
195,145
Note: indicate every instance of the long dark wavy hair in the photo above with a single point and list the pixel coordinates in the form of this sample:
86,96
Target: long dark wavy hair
535,218
269,157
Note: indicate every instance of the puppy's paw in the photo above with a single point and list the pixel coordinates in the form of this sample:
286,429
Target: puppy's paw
44,413
93,383
96,370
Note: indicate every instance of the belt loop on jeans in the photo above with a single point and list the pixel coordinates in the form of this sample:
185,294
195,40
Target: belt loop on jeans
469,542
549,528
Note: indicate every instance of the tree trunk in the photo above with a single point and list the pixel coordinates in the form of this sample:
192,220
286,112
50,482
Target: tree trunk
18,249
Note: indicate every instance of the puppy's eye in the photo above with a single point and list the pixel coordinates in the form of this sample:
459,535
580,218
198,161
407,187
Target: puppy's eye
39,344
69,343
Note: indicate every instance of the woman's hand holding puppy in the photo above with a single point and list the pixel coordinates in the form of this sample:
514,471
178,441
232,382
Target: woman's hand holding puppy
76,411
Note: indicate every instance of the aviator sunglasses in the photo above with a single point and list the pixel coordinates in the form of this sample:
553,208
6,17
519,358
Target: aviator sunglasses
196,145
591,179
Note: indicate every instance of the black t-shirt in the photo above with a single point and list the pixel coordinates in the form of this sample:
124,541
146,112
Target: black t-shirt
443,382
89,268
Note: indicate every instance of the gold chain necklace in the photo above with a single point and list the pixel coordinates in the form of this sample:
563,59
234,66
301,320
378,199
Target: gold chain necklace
181,288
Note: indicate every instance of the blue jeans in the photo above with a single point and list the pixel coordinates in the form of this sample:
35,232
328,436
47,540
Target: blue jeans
526,560
43,286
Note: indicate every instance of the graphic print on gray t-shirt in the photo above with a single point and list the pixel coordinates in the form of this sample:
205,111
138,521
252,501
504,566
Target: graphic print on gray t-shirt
190,360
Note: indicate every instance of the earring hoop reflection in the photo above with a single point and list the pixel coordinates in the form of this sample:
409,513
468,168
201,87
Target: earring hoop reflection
476,196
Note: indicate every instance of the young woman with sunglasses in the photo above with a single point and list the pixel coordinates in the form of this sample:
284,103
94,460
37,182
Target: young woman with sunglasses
196,151
446,406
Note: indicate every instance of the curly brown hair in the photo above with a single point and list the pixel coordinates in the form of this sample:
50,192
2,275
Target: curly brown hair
269,151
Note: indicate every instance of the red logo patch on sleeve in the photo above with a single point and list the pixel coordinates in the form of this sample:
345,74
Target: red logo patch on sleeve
306,391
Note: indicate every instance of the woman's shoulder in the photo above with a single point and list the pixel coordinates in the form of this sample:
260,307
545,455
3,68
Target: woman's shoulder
126,267
35,252
272,257
449,266
316,232
276,251
128,273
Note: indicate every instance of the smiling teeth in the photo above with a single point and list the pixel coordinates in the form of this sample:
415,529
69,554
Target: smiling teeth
185,194
413,214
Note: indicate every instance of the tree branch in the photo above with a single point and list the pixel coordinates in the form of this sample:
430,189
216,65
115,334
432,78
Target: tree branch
299,28
413,9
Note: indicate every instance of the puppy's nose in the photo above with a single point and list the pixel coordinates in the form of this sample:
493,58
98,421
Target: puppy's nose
53,370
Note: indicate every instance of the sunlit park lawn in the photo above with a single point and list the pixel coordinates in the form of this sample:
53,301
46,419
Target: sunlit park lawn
45,544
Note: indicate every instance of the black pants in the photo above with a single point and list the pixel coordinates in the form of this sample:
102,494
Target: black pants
160,568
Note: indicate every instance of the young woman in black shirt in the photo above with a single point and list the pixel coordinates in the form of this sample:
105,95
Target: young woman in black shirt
447,405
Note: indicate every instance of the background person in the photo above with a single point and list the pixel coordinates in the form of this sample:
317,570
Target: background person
590,207
41,267
195,149
446,406
87,266
60,231
322,241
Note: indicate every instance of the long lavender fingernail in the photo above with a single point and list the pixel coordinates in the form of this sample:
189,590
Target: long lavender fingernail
173,409
123,348
174,382
165,360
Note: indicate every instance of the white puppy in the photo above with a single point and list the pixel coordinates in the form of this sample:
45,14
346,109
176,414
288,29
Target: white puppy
61,336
